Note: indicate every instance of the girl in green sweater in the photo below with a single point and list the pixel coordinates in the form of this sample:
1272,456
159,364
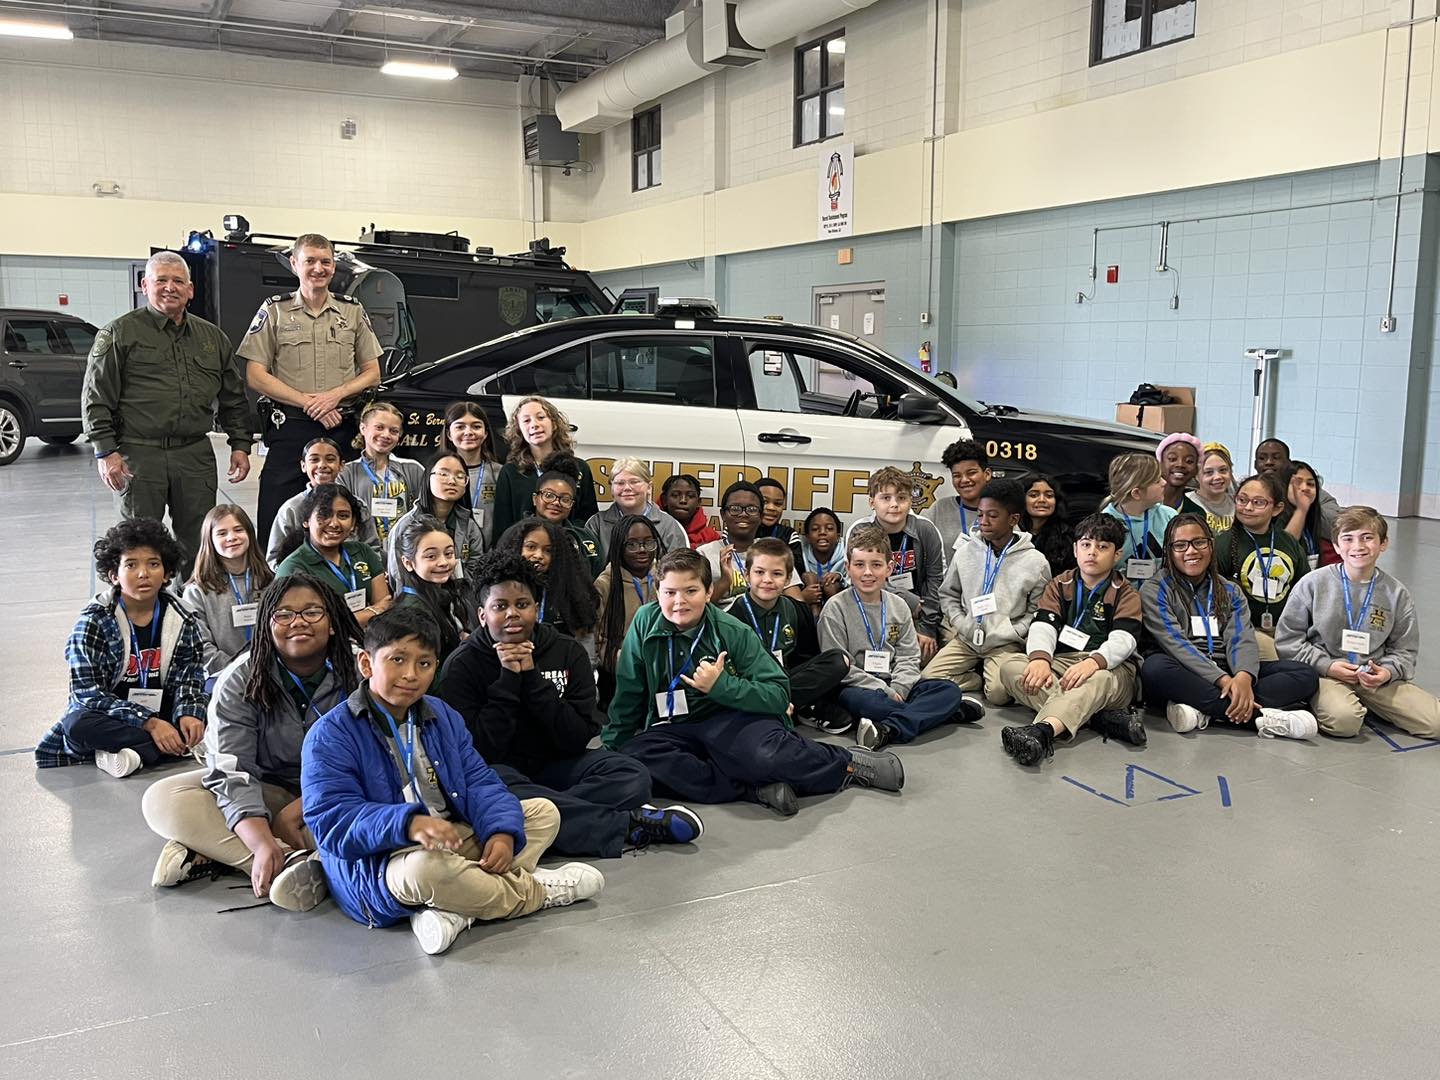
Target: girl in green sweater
1260,556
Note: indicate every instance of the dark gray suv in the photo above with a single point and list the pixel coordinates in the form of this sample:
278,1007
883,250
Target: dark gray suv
42,372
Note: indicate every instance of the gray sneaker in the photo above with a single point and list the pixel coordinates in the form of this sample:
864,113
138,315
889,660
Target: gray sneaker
881,770
301,885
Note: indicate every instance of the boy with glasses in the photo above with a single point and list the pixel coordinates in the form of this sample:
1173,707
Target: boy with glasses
740,509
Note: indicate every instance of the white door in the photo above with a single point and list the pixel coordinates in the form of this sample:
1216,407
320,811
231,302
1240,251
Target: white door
823,436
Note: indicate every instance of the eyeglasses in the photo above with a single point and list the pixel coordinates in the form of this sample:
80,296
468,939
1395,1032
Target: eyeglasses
1200,543
626,484
311,615
743,511
555,498
641,545
1246,500
446,474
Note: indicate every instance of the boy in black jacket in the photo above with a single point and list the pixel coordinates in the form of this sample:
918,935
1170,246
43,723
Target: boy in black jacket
527,693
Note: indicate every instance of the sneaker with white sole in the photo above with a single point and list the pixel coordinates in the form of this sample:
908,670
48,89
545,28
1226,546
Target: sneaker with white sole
1286,724
566,884
301,885
1185,718
178,864
118,764
437,930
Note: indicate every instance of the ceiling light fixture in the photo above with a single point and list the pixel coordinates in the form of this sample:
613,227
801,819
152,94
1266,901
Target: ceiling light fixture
411,69
53,31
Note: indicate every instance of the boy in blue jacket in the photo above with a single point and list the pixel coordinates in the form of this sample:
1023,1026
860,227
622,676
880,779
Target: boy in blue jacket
410,821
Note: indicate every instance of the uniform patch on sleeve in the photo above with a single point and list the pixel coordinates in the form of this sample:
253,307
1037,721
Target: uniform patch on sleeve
257,322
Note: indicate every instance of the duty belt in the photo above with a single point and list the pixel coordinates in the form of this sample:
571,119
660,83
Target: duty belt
167,442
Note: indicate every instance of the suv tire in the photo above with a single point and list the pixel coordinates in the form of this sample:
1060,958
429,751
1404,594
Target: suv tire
58,440
12,432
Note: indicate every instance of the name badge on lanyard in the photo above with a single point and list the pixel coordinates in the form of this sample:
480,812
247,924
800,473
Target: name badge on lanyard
983,604
671,703
243,615
1204,625
1355,641
384,508
1074,637
149,698
877,662
904,582
1137,569
355,600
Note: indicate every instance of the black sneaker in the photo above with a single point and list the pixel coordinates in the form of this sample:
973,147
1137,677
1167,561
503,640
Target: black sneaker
1127,725
780,797
1028,744
672,825
833,720
882,771
971,711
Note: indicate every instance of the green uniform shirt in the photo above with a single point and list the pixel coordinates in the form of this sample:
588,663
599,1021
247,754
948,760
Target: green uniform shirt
365,565
148,380
1266,566
779,628
589,547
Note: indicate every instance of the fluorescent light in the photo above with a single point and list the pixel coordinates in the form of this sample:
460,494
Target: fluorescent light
412,70
54,31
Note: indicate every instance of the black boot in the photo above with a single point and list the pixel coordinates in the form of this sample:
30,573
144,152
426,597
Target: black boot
1127,725
1028,744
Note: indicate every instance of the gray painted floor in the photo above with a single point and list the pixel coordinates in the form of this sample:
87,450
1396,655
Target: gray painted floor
990,922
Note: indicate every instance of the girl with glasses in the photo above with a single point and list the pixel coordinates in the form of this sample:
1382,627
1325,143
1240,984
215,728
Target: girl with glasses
445,496
554,501
630,485
1206,666
1260,556
625,585
242,811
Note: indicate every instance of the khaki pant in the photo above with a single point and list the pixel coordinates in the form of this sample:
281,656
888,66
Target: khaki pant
961,663
1105,689
180,808
1265,642
1341,709
453,880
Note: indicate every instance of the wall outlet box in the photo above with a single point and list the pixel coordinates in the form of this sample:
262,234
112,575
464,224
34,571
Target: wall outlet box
845,256
1387,324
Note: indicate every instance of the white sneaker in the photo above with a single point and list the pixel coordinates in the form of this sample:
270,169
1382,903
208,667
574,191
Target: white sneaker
118,764
178,864
301,885
1185,718
566,884
1286,724
437,930
867,734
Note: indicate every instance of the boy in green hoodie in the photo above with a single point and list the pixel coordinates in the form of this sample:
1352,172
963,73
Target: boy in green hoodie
705,707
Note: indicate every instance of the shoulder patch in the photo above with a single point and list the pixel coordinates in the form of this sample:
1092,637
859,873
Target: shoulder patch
257,322
345,298
280,298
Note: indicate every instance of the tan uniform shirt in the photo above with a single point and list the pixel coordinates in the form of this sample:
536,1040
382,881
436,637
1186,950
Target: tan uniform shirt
307,352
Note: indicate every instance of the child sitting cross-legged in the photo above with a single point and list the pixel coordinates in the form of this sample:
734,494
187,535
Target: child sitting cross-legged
1356,626
1078,666
410,821
137,662
527,694
884,689
787,630
702,704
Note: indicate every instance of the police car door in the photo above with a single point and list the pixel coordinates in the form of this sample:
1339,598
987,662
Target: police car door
665,397
825,419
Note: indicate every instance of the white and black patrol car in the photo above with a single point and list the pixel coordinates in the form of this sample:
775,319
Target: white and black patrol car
725,398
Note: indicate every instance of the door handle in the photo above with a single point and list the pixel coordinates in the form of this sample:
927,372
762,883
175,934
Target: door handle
18,364
782,437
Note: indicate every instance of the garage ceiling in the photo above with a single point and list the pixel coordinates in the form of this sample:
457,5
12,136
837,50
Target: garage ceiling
565,39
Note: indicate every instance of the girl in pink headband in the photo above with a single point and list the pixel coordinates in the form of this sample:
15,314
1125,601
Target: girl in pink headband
1179,457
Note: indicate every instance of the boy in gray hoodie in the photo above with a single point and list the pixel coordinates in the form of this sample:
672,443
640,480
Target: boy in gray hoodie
1356,626
990,594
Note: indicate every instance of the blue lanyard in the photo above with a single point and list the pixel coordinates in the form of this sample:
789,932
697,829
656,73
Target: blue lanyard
992,573
407,751
884,615
1143,551
1310,548
309,699
380,482
1208,616
347,578
1083,599
640,593
241,599
144,669
675,675
964,519
821,569
1265,564
1351,622
544,593
739,565
475,498
775,631
408,590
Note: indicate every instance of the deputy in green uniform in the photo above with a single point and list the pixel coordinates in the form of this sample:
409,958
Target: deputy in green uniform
311,353
154,382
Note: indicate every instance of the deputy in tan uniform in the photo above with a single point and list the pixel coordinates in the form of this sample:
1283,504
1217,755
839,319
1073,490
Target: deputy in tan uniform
154,381
311,353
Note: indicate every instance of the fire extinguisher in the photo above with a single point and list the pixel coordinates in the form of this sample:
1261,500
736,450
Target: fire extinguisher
925,357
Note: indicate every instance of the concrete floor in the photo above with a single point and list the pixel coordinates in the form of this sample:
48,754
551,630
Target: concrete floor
992,921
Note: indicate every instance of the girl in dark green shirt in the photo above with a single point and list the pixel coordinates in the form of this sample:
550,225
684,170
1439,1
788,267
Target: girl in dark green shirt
331,516
1260,556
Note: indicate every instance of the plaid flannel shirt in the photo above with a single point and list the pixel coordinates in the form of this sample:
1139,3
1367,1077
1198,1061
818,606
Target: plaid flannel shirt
96,654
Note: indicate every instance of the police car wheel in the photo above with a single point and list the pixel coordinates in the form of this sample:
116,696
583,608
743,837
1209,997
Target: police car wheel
12,432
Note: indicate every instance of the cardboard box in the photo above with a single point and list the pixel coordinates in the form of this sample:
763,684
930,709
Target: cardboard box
1161,418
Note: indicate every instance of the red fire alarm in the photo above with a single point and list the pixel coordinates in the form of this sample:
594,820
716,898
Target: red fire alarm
1112,275
64,299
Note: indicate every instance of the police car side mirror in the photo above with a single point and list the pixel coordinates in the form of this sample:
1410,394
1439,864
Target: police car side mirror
919,409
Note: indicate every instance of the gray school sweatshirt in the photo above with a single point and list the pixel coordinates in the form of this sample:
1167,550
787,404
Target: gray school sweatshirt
1311,625
1017,588
287,521
468,534
222,638
930,557
841,626
945,515
403,471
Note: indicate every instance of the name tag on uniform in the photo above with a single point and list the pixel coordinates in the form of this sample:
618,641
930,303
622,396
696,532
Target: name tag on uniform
1074,637
243,614
984,604
479,513
146,698
1356,641
1137,569
664,700
1204,625
1272,589
1314,561
355,599
384,508
877,661
904,582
